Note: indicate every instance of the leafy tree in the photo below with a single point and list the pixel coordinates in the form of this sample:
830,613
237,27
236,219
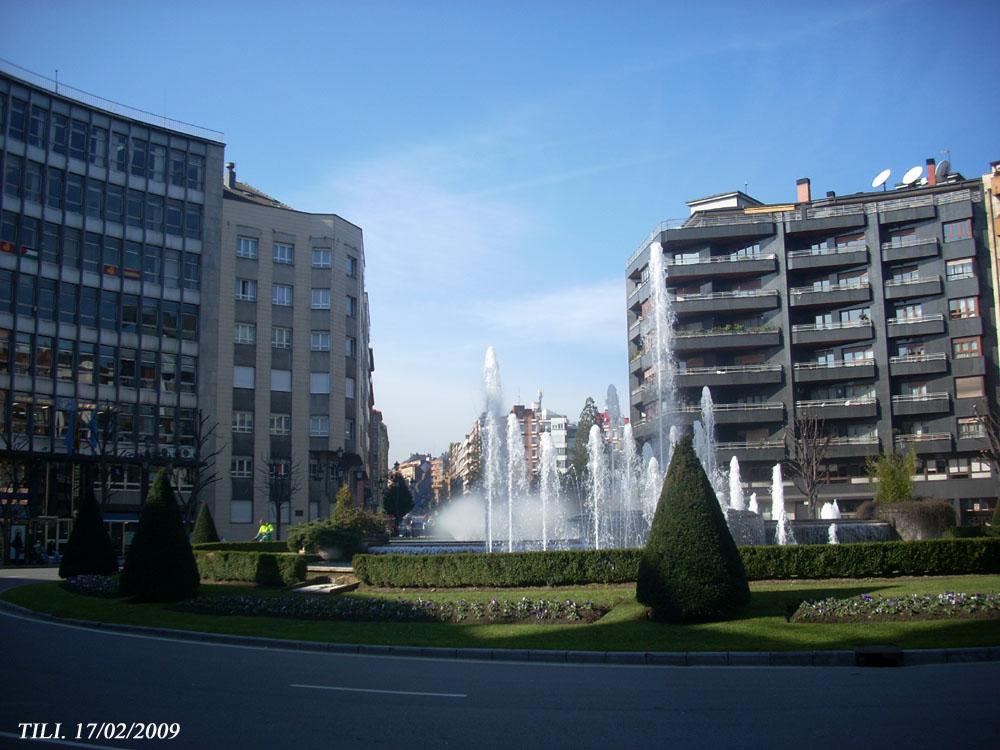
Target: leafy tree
690,570
204,528
893,476
159,564
806,444
89,549
344,512
398,501
589,416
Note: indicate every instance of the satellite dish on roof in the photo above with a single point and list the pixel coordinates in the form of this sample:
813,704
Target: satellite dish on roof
881,178
941,170
912,175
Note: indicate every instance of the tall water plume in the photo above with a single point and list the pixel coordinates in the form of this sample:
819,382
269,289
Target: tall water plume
736,501
752,505
517,474
628,488
652,484
598,490
783,529
549,484
661,338
492,447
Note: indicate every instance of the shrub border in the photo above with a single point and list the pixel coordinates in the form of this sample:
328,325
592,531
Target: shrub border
262,568
580,567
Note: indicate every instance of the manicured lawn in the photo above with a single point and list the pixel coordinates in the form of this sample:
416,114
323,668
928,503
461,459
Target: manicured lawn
762,627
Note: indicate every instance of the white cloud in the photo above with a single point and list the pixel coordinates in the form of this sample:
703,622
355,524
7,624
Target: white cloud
583,314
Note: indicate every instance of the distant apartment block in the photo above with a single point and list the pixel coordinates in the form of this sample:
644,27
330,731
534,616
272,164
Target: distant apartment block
874,312
287,323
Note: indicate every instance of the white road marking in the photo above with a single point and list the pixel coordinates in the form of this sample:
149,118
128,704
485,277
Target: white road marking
385,692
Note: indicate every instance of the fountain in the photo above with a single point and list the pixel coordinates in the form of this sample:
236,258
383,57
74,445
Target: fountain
598,489
652,483
549,482
517,473
752,506
628,487
736,501
490,439
662,336
833,534
783,529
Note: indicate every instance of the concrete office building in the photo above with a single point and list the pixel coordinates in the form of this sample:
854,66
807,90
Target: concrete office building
292,367
108,220
873,312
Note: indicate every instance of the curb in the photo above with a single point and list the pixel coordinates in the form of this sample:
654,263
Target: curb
910,657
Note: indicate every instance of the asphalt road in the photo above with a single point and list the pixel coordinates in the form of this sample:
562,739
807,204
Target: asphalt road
247,697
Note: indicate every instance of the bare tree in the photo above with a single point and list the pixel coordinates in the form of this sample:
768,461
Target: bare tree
14,469
806,444
991,431
284,481
103,429
204,472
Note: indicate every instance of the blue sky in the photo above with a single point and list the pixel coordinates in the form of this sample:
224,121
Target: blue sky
505,159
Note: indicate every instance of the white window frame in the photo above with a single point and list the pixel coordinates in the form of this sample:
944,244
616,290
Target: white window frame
246,247
284,254
319,425
241,467
246,290
320,299
319,260
281,337
243,421
319,341
280,424
245,333
278,295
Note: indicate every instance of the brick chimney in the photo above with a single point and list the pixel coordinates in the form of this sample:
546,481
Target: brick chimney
231,175
803,191
931,174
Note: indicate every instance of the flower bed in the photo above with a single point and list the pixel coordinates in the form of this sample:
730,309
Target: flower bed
316,607
868,608
93,585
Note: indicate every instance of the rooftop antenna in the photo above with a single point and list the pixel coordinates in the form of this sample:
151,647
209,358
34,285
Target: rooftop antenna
942,169
880,179
57,80
912,175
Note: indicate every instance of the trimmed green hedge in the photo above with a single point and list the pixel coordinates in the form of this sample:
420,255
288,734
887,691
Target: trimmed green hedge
241,547
576,567
262,568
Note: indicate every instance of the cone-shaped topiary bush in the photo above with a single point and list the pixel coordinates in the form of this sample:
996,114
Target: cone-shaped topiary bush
89,550
159,564
204,528
691,570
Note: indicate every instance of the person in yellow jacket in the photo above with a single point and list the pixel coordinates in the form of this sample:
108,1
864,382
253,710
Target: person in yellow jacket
264,532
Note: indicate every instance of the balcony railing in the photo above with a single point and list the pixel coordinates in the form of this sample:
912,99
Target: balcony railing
855,440
720,259
915,319
831,326
834,363
728,369
740,332
817,403
750,445
839,286
908,242
837,250
934,357
695,409
917,280
724,295
926,437
919,397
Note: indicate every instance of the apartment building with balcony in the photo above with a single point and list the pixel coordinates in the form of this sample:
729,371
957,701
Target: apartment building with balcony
287,323
874,312
108,220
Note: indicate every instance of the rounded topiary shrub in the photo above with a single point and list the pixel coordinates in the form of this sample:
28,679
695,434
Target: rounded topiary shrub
204,528
690,570
89,550
159,564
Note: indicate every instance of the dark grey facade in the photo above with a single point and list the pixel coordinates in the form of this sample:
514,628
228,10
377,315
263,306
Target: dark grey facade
106,215
873,312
